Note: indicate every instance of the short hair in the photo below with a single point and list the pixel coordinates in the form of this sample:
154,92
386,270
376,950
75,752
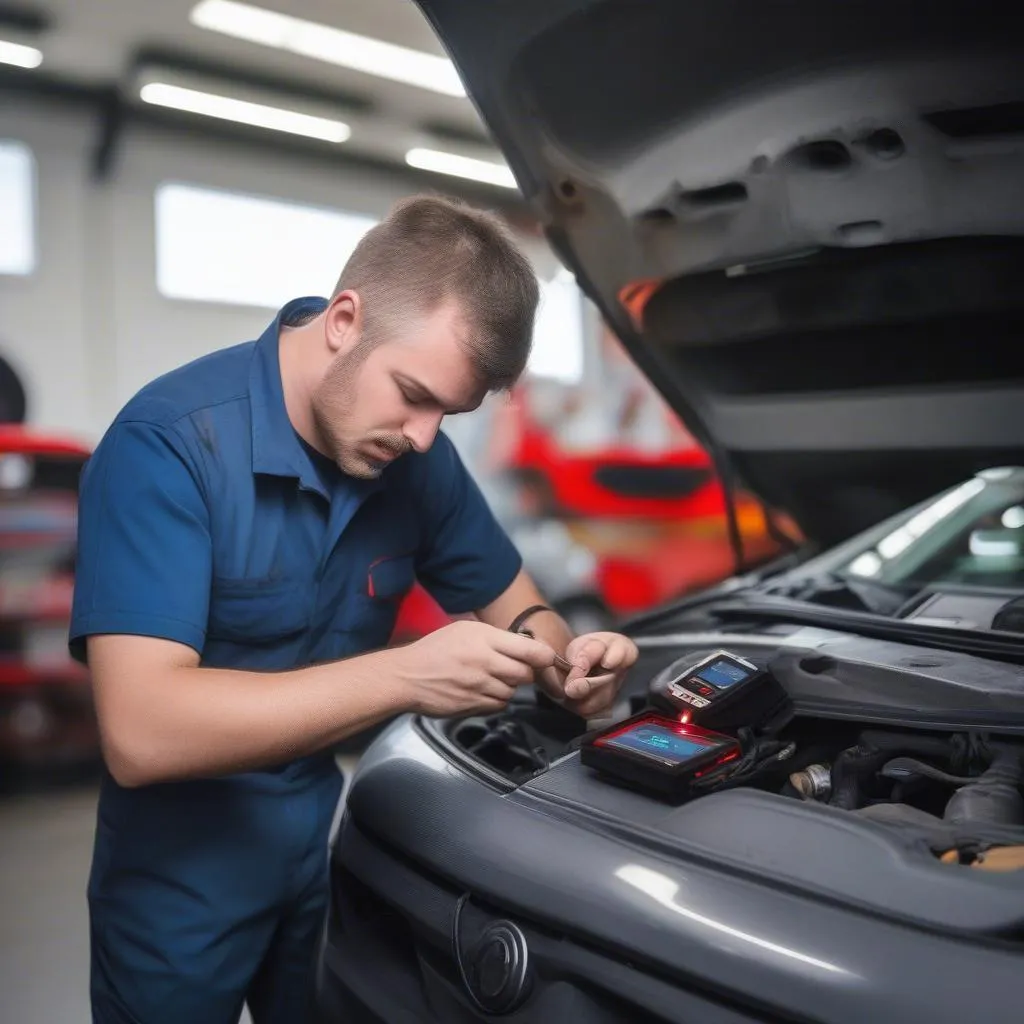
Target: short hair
430,249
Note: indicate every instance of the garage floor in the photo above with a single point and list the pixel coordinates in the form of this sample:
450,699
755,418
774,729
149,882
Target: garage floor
45,849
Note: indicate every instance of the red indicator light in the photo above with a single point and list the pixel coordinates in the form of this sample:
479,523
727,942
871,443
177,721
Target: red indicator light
684,717
725,759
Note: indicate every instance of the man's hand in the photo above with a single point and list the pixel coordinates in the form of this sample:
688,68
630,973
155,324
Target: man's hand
468,668
599,665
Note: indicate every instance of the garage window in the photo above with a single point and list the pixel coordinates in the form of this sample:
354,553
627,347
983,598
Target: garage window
558,331
245,250
17,208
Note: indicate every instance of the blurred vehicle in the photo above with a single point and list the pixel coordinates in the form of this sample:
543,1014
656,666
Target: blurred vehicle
635,527
806,222
418,615
46,712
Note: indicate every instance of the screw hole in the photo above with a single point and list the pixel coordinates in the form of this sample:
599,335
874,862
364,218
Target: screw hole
862,232
816,664
658,215
886,144
824,155
567,189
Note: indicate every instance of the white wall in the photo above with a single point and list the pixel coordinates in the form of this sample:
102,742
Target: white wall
89,327
45,318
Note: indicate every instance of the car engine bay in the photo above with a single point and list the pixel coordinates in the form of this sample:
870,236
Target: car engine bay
929,746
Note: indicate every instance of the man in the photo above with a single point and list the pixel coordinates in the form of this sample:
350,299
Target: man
247,526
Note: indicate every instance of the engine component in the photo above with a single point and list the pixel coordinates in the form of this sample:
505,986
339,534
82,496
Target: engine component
999,858
902,768
511,746
813,783
850,770
993,798
1002,858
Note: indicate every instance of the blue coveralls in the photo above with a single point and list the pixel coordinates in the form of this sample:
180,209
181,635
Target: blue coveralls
205,519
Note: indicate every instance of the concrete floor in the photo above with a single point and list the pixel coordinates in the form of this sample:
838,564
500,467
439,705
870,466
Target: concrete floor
45,850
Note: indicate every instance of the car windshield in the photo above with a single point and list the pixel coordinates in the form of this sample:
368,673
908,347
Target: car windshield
972,534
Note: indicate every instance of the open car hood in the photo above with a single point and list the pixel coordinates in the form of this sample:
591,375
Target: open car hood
803,219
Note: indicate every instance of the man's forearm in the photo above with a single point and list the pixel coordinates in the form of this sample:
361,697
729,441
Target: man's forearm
220,721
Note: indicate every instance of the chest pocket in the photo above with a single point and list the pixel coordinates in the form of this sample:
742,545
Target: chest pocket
387,581
255,611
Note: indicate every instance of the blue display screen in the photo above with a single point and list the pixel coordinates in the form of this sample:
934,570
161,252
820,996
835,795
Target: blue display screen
661,742
722,674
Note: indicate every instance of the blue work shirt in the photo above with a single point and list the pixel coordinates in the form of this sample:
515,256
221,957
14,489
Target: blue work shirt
205,519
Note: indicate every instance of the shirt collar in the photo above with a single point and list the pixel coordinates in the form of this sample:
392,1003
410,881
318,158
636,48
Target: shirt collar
276,448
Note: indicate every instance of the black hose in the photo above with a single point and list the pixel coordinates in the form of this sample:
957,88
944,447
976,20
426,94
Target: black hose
994,797
850,770
906,743
902,768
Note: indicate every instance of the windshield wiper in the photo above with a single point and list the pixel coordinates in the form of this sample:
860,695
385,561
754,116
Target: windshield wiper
984,643
836,591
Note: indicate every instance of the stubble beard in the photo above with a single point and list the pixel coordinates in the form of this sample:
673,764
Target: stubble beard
332,401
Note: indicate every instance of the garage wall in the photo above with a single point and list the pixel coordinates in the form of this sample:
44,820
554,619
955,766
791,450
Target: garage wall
89,327
45,318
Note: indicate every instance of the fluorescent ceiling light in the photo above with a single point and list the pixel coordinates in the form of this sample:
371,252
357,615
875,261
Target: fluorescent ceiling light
323,42
20,56
460,166
227,108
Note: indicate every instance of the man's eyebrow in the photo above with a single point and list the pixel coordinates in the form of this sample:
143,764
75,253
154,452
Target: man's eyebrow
415,385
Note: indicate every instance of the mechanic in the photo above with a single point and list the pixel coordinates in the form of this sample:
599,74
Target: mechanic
247,526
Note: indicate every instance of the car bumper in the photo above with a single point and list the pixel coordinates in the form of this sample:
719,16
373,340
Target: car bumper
419,835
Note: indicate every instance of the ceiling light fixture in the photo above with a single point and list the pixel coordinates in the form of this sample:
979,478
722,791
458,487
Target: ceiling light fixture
460,166
227,108
332,45
19,55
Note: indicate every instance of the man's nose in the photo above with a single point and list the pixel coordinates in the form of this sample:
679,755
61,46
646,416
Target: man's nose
421,430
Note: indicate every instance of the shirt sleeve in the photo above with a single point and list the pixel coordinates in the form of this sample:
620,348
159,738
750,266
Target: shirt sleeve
465,560
144,549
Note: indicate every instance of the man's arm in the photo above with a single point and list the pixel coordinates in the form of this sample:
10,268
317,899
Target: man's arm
163,717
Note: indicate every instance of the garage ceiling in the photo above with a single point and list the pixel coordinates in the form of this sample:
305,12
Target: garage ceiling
113,47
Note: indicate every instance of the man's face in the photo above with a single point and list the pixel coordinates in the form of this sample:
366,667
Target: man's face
371,407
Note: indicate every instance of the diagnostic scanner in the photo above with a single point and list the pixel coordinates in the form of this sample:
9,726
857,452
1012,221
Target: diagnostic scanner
720,691
660,756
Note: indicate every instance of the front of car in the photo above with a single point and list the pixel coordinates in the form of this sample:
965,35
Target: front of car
804,222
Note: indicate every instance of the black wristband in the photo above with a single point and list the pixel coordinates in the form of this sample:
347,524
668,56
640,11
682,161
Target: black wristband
517,622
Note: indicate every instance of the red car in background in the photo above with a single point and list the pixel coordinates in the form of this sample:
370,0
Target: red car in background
653,521
46,712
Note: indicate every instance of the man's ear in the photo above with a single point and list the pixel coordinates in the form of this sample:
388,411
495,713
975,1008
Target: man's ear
343,322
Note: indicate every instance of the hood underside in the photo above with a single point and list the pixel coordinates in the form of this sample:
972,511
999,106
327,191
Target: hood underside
804,220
